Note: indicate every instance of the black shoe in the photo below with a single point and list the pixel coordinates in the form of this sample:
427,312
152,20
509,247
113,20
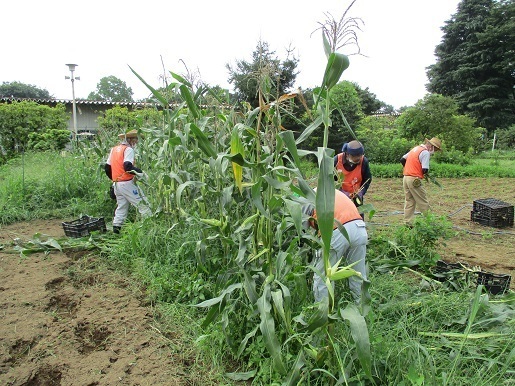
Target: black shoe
116,229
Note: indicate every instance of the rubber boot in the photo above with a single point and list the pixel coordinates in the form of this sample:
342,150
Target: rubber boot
116,229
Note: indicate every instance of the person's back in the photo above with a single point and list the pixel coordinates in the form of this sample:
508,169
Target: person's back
120,168
351,246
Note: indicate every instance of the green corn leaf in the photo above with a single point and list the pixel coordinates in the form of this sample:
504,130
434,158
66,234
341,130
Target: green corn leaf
267,327
156,93
280,185
294,376
327,46
247,223
203,142
289,141
238,159
277,298
286,296
308,130
325,200
212,314
320,317
211,221
457,335
186,95
295,210
218,299
181,187
306,190
359,333
249,285
241,376
180,79
243,343
336,64
256,199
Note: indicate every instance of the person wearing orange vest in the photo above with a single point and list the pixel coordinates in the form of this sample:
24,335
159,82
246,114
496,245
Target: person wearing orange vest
416,168
120,168
353,249
355,168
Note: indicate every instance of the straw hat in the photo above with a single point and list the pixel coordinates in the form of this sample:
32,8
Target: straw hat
435,142
129,134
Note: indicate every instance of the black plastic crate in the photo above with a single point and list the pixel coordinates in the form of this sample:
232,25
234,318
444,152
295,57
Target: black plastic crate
444,271
83,226
492,212
494,283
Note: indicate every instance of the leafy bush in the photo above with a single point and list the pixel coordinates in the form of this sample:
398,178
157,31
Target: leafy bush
21,119
453,156
437,115
52,139
381,140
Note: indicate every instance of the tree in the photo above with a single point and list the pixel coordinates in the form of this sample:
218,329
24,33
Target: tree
344,99
381,139
112,89
265,70
120,120
475,61
22,90
437,116
369,102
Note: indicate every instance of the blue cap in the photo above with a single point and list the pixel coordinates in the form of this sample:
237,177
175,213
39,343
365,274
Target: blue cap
354,148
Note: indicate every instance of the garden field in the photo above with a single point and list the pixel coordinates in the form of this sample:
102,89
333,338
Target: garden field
491,248
68,320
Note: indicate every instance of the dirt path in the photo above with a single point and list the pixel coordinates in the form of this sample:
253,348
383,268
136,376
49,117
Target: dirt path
65,324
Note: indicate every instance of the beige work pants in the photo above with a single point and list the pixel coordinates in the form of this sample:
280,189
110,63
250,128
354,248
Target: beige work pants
415,197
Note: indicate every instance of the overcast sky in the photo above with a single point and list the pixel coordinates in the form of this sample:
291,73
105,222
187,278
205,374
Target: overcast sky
106,37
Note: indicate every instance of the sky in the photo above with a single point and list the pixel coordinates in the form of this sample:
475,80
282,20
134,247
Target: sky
397,42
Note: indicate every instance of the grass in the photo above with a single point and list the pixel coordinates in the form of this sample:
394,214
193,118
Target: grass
485,168
52,185
419,334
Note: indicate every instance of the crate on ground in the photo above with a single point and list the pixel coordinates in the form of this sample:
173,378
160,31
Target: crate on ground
494,283
492,212
83,226
444,271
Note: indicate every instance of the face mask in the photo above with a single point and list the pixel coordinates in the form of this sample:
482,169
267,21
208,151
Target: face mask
351,162
431,152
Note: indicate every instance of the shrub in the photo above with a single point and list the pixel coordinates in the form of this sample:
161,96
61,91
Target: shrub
453,156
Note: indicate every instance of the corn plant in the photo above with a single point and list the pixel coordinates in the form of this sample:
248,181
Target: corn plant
236,177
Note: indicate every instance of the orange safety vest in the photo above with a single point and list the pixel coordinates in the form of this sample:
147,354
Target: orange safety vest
117,171
413,167
351,179
344,209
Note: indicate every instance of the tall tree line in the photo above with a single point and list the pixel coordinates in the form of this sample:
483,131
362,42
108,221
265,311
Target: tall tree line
475,61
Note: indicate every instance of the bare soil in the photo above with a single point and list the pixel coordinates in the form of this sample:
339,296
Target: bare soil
64,322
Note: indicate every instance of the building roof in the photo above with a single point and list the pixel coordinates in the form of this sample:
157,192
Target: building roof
77,101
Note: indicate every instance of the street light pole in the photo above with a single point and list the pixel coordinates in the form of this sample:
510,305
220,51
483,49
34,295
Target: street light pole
71,67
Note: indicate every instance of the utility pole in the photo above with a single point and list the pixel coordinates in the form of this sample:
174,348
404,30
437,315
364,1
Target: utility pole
71,67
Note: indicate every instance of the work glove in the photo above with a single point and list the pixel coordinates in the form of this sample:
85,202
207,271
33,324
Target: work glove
358,199
141,176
